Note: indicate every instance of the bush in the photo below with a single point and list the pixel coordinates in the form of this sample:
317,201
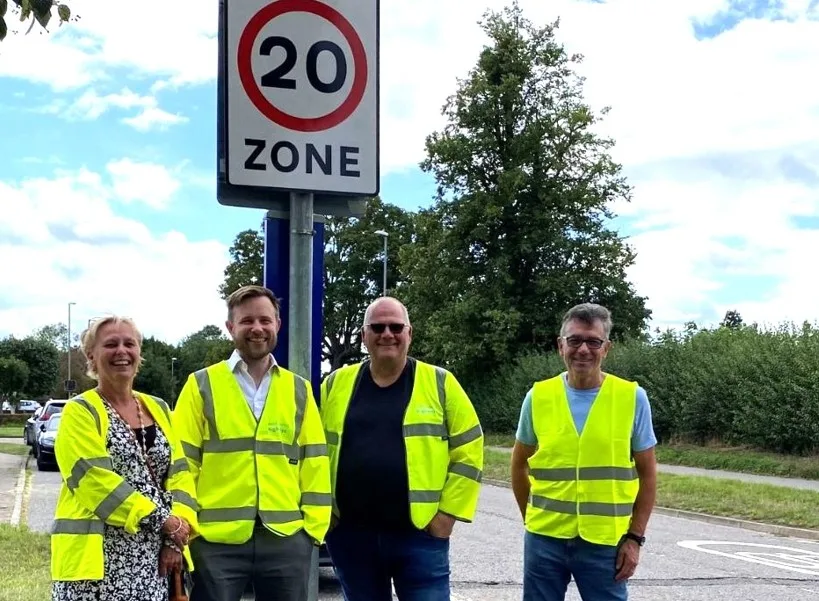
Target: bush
14,419
742,385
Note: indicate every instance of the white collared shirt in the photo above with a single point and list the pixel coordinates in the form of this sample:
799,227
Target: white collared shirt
254,395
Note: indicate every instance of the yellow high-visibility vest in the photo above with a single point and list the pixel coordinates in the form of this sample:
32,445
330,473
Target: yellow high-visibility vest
92,494
275,468
583,485
442,433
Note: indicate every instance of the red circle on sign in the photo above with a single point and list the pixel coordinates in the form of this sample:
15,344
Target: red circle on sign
254,92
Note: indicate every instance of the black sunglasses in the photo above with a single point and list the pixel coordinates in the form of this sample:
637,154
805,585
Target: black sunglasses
577,342
378,328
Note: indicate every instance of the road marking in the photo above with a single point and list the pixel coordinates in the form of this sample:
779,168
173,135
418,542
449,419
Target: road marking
785,558
17,511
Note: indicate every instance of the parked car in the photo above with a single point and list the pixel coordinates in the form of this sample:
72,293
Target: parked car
31,430
27,406
7,408
44,445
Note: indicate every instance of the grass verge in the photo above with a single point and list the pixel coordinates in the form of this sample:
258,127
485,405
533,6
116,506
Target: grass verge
740,459
732,459
730,498
14,449
11,432
25,573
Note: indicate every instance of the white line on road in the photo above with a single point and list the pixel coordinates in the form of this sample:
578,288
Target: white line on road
17,511
794,560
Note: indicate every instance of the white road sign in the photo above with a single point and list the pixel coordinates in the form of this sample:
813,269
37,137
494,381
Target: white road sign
302,95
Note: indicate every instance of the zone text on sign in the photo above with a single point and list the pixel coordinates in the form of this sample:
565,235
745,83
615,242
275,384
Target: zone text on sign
302,95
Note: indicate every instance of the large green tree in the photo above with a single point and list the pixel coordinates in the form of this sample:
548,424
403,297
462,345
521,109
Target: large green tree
42,360
35,11
520,229
353,271
246,265
199,350
13,378
155,376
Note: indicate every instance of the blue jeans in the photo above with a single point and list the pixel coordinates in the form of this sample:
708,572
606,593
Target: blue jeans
369,562
549,563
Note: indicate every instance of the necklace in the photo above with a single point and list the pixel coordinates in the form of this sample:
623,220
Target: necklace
138,439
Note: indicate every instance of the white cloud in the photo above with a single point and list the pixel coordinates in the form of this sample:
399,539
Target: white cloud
686,115
91,105
176,40
153,118
147,183
680,107
63,242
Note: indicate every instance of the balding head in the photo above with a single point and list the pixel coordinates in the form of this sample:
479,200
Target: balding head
386,301
387,334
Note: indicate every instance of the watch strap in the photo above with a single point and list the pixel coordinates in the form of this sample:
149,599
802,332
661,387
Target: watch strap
640,540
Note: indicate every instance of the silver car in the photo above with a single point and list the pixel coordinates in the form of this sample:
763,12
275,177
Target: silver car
32,428
44,446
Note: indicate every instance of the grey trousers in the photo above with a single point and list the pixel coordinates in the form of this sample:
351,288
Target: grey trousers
277,566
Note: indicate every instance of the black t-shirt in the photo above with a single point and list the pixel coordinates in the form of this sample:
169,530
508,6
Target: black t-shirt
372,488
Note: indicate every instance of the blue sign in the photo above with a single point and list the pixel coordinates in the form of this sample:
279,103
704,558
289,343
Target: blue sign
277,279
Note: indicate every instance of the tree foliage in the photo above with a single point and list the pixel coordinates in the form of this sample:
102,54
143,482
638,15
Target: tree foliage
353,274
246,265
13,378
57,335
353,271
42,360
732,320
35,11
518,232
201,349
740,385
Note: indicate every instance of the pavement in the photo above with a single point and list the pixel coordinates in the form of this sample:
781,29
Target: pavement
683,560
9,472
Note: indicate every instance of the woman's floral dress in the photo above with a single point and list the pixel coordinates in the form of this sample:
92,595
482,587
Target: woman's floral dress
131,560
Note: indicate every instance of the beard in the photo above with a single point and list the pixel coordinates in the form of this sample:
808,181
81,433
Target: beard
256,350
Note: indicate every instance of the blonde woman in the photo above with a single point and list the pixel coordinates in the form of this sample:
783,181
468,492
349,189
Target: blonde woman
126,509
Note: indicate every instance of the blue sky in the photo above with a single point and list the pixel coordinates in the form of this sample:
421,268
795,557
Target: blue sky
108,154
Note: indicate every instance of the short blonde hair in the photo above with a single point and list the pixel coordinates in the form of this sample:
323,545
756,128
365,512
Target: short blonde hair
89,340
245,293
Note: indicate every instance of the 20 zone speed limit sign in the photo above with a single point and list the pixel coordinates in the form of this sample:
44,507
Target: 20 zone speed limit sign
302,95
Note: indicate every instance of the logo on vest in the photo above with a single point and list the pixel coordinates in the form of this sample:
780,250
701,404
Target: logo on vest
282,430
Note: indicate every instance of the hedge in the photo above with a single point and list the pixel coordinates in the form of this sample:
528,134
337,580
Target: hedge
745,386
13,419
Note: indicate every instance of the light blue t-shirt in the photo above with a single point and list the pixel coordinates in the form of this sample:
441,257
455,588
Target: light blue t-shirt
580,402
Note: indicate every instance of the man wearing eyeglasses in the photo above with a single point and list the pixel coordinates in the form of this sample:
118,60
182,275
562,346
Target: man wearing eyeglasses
406,455
584,470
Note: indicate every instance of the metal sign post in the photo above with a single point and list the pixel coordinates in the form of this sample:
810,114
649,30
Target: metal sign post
298,134
300,299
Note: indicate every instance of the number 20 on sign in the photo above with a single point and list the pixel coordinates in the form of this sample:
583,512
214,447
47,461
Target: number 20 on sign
302,95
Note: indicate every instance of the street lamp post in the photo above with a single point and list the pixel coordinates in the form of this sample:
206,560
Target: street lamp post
173,382
384,235
68,372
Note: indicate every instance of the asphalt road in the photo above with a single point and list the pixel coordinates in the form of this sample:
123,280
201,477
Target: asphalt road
684,560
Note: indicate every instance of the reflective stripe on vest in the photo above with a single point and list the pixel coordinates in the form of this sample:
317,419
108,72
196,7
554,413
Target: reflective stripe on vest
215,445
583,484
266,471
426,442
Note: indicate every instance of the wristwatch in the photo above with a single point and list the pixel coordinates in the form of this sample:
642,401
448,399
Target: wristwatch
640,540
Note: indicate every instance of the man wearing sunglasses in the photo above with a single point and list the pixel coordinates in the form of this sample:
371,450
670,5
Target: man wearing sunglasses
406,455
584,470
